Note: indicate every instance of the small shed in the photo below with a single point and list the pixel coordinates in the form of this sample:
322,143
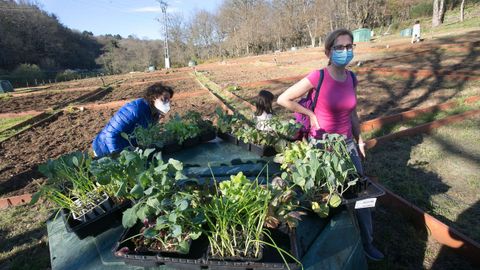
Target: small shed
406,32
362,35
5,86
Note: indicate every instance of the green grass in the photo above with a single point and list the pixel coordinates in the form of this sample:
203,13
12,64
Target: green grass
230,101
439,172
451,22
5,96
6,123
420,120
408,247
24,243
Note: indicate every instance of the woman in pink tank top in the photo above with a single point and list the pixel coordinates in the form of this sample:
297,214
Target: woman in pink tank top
335,112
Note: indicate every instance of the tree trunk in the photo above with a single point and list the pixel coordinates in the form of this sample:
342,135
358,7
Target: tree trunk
442,11
438,12
462,10
347,15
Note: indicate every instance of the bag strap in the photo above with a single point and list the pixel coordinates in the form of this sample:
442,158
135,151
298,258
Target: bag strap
354,79
317,90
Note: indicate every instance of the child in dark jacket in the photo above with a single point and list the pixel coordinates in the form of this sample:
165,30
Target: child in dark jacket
143,111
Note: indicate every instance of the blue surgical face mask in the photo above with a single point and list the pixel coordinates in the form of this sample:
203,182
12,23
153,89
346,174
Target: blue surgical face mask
342,58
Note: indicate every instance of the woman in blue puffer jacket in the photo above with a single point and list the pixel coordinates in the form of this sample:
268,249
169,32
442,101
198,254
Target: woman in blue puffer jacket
143,111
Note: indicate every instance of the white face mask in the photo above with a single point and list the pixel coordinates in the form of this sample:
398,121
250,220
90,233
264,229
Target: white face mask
163,107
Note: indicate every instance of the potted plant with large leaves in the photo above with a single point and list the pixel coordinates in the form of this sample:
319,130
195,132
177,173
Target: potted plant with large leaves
322,173
165,218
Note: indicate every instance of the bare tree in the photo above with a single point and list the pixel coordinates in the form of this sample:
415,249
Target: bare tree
462,10
438,12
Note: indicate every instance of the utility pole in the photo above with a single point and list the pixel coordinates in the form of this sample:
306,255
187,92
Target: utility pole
163,6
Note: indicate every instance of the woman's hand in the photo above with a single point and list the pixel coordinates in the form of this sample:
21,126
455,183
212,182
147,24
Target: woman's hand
314,122
361,148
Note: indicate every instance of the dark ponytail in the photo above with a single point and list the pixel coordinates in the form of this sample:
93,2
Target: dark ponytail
263,102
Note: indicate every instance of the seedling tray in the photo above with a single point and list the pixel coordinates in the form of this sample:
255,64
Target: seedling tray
261,150
233,259
228,138
364,189
175,146
151,259
197,257
94,226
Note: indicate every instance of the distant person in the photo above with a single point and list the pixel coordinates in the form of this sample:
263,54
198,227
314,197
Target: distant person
264,112
416,32
336,112
140,112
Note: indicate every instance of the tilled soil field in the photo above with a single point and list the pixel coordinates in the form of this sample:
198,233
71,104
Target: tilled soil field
126,91
20,155
37,102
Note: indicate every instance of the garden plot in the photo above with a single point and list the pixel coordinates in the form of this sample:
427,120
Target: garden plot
436,60
420,120
439,173
20,155
385,95
133,91
205,104
252,69
155,76
88,82
37,102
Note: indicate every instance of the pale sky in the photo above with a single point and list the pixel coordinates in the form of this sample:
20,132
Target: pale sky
122,17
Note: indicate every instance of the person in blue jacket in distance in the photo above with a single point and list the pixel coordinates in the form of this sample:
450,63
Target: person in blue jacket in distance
143,111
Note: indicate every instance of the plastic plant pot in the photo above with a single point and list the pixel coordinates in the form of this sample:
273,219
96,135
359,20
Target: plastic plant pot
263,151
234,258
244,145
126,251
228,138
191,142
207,136
171,147
100,223
364,189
